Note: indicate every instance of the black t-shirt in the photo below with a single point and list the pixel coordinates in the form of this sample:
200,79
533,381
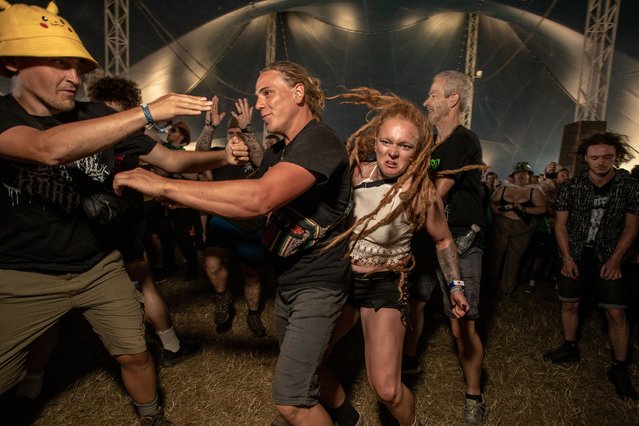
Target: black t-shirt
44,226
318,149
230,172
464,200
126,235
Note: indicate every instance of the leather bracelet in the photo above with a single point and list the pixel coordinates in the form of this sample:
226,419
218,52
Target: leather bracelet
147,114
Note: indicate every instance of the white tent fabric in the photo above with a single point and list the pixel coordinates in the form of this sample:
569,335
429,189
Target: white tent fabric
530,64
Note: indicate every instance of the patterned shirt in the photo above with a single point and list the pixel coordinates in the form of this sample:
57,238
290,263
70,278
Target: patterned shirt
580,197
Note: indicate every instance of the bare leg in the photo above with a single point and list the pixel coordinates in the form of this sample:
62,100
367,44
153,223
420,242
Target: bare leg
41,349
618,333
252,287
37,359
570,320
155,310
332,393
154,250
383,340
471,353
138,376
315,415
215,267
414,333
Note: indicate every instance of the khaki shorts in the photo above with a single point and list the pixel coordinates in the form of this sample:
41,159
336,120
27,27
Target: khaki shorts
31,302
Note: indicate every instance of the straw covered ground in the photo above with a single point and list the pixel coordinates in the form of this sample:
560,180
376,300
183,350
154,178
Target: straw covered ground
229,382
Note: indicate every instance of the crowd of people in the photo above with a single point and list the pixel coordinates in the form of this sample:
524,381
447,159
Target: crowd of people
98,194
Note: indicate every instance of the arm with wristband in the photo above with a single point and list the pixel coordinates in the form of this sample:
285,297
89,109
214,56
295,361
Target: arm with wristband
68,142
447,257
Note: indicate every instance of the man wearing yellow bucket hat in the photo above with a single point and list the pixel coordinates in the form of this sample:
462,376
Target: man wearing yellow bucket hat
50,259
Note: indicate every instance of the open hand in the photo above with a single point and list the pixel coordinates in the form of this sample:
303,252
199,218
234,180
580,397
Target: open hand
244,112
141,180
173,104
213,116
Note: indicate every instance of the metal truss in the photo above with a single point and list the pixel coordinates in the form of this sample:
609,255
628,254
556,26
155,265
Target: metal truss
471,60
116,37
599,44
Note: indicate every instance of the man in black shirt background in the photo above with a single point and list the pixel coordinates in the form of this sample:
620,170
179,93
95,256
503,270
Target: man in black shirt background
596,223
455,147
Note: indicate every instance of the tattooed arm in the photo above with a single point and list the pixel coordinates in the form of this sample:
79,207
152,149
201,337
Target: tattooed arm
243,116
256,149
447,257
213,119
203,142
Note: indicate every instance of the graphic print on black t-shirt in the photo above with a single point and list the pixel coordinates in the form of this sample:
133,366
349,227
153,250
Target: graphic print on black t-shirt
602,196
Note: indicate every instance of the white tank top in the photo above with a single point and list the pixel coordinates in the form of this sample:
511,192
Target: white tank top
389,244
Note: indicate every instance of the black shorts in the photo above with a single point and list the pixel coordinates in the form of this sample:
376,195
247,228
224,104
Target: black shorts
376,290
609,294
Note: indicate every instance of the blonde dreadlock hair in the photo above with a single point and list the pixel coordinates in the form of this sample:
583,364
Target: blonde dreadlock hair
421,192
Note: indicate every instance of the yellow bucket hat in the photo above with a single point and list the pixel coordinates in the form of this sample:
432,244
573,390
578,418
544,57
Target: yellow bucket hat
32,31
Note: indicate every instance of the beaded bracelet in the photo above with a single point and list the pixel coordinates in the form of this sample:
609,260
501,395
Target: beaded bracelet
567,259
147,114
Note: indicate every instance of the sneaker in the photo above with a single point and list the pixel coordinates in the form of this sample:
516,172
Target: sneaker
186,351
157,419
255,324
474,412
564,354
222,307
410,365
619,377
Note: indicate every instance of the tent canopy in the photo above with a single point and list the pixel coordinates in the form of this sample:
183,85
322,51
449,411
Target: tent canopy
529,52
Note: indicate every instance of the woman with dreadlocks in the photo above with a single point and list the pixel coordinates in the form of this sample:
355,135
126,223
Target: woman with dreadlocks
393,197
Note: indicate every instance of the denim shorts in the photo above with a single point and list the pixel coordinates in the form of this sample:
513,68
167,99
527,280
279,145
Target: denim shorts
304,319
425,277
